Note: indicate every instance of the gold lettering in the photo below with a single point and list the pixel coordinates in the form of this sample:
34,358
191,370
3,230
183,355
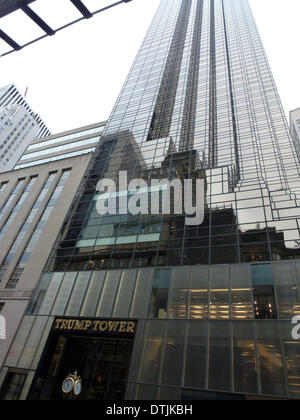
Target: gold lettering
64,325
130,327
71,324
113,325
87,325
123,326
79,325
96,325
103,326
57,324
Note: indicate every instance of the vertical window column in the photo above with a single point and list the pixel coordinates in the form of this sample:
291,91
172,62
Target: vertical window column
160,293
11,198
265,306
162,115
37,233
17,207
13,250
3,186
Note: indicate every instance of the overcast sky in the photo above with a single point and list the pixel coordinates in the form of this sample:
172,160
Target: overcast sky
75,76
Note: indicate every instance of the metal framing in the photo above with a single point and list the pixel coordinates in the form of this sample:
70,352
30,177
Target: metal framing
11,6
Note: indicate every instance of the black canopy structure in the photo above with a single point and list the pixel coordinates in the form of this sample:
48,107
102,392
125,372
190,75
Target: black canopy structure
8,7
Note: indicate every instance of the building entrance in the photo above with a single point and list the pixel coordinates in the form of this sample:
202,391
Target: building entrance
102,365
101,362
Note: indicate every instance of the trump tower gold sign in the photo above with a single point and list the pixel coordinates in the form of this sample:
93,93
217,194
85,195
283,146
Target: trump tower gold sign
102,326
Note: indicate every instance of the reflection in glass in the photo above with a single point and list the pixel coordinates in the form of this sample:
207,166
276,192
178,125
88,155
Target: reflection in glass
264,302
151,362
196,354
160,293
220,356
270,359
244,358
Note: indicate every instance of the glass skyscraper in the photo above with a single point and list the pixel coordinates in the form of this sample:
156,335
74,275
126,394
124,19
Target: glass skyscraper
200,85
213,303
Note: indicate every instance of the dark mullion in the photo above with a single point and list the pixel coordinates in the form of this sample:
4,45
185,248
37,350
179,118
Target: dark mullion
40,22
82,8
16,47
10,41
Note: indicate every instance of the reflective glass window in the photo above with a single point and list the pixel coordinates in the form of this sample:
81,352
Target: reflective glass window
160,293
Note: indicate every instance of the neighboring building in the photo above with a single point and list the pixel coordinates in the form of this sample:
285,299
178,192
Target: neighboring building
10,95
148,307
61,146
19,126
33,204
295,129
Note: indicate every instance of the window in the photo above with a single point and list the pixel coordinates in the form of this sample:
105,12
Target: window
38,231
264,302
12,386
59,149
262,275
160,293
263,291
1,307
191,394
55,158
65,138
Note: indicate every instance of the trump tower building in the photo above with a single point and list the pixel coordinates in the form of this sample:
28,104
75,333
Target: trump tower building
146,306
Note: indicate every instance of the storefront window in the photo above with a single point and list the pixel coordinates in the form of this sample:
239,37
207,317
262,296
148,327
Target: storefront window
220,363
12,387
263,292
287,292
178,297
160,293
262,275
151,362
244,358
198,303
173,353
192,394
270,359
292,358
264,302
196,354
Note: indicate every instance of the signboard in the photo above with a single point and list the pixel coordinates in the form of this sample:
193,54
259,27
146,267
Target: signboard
105,327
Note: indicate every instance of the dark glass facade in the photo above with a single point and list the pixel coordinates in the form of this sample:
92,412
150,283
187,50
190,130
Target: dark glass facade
213,302
197,330
200,94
